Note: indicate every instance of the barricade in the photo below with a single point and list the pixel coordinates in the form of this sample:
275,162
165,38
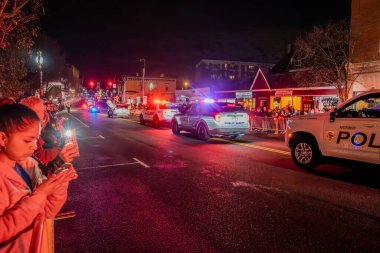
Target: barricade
274,125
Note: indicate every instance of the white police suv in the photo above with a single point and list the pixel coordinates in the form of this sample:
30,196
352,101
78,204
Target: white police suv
208,118
352,132
159,113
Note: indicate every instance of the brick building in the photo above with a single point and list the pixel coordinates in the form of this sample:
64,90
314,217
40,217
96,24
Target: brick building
365,39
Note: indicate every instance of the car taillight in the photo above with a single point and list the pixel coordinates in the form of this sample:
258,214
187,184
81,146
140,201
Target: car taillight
84,106
217,117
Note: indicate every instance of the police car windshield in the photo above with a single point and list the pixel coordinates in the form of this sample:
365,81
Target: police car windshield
222,107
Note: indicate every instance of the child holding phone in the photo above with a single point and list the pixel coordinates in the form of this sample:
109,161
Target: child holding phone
24,192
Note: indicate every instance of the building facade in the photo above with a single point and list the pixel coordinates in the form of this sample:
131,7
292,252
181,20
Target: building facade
365,42
217,71
73,78
155,88
280,90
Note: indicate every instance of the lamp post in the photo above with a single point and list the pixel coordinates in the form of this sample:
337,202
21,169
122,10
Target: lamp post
40,60
143,79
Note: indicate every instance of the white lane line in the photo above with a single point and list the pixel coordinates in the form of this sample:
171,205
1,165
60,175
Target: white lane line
140,162
79,121
103,166
101,136
257,187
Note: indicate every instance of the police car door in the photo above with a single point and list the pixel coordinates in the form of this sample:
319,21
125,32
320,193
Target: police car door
184,117
195,115
355,133
150,112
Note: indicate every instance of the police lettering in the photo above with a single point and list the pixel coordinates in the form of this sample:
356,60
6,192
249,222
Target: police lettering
346,135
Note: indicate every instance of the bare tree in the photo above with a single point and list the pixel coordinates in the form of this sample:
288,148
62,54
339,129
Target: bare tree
18,28
325,52
17,13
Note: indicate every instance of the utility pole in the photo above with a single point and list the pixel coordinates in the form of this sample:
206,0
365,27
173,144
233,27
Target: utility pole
143,80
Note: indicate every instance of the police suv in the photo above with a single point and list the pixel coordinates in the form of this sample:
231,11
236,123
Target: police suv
352,132
208,118
158,113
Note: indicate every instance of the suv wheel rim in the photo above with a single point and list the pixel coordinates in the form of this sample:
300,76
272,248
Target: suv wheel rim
303,153
202,131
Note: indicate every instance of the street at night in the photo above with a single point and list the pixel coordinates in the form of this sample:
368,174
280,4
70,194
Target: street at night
148,190
189,126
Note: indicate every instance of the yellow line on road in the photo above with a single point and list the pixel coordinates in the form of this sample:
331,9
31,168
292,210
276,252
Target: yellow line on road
253,146
131,120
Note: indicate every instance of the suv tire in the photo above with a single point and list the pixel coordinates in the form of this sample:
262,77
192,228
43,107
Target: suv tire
305,153
156,122
175,127
142,121
202,132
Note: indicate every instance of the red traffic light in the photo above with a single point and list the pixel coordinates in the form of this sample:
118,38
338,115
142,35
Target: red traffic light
91,84
109,84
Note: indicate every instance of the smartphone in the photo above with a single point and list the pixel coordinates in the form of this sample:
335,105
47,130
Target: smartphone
64,167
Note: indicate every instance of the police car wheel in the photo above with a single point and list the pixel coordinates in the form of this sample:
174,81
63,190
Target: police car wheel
156,122
175,128
202,132
305,153
142,121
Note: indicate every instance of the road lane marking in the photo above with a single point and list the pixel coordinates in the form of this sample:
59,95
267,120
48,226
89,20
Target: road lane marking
79,121
257,187
140,162
101,136
254,146
103,166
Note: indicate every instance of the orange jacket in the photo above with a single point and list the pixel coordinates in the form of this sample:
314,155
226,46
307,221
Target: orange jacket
19,207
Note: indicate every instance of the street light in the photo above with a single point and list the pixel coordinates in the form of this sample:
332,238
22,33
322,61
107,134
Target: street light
143,77
40,60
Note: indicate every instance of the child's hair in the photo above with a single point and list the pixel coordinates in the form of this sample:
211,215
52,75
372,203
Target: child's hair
16,117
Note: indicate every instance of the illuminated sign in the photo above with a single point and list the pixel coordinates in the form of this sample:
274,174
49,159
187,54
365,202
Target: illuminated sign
243,94
283,93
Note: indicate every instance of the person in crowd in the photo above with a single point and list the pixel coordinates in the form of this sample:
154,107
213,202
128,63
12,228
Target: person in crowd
25,193
68,106
9,100
49,159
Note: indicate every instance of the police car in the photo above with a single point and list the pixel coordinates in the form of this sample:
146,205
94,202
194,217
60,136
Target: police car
158,113
352,132
208,119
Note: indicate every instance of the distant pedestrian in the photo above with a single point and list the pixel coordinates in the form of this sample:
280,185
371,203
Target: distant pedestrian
68,106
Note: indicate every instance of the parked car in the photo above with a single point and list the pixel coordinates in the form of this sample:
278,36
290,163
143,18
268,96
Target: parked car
159,113
212,119
120,110
93,109
350,132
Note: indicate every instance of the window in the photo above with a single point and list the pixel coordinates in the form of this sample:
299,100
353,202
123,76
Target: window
365,107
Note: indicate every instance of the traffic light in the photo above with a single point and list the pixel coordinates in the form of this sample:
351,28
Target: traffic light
92,84
109,84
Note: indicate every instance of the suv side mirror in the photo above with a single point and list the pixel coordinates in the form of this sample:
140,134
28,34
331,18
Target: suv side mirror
333,115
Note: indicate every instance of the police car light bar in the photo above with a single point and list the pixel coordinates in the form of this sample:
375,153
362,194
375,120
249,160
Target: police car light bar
209,100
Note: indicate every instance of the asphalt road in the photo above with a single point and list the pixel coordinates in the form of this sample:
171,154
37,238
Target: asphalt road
142,189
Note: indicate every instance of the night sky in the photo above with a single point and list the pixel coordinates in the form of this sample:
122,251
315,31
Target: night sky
105,39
